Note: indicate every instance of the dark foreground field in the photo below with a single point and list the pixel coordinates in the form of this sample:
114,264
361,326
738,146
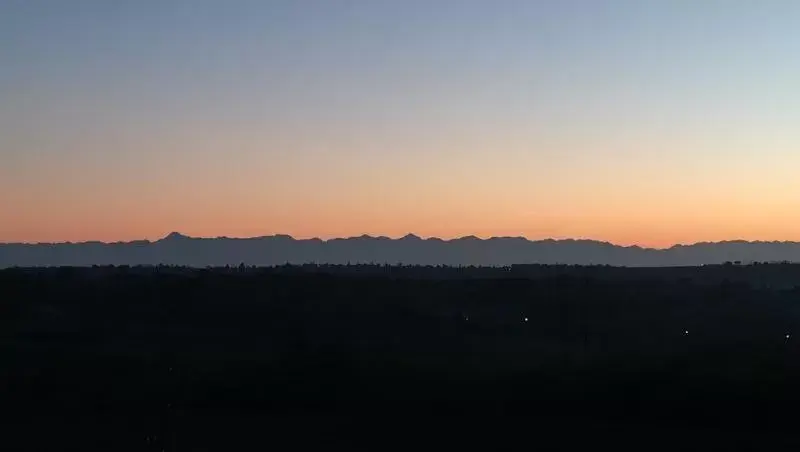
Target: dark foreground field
531,357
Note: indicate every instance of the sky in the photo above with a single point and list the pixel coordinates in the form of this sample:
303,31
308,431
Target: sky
631,121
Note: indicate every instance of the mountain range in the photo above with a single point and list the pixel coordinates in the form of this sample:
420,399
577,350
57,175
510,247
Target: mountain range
179,249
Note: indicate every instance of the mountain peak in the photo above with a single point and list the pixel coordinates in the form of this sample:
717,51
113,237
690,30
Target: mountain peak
410,237
175,236
470,238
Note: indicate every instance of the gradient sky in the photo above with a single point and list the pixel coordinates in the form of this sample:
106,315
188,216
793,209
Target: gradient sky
647,122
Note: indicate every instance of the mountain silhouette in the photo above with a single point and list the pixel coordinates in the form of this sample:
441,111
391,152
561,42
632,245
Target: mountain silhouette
172,236
180,249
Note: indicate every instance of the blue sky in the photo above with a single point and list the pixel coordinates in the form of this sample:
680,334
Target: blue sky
616,120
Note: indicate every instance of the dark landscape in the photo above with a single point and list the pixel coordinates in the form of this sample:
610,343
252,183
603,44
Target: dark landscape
543,356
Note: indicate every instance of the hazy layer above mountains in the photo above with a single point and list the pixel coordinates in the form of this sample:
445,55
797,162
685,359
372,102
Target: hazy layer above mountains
178,249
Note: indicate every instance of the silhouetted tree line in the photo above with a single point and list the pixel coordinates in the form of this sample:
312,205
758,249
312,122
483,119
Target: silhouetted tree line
162,347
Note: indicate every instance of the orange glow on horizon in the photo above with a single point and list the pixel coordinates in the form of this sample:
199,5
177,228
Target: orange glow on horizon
653,237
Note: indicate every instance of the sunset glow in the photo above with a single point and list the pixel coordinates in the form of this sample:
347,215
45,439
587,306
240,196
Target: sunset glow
649,123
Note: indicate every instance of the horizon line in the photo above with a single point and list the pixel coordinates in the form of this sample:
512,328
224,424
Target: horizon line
175,234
